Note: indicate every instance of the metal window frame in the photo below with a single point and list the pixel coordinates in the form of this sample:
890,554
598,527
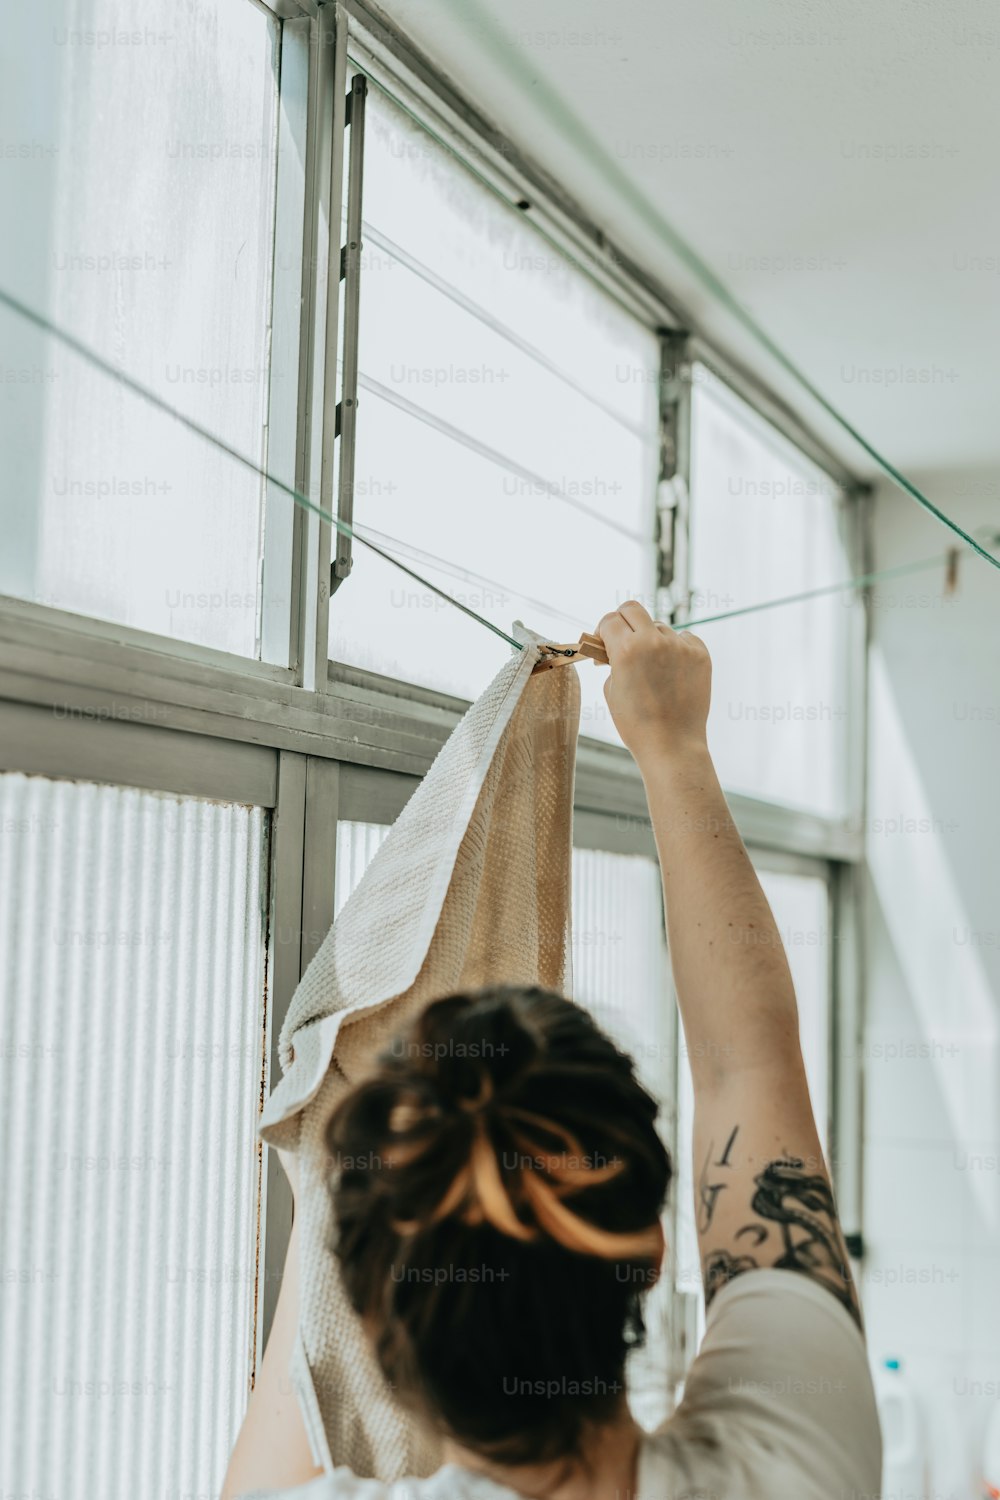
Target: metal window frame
280,604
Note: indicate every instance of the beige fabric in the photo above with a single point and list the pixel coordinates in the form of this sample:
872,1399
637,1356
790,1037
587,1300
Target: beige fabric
470,886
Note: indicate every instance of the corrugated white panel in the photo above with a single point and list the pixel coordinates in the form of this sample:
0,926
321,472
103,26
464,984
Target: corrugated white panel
621,973
131,1057
356,843
620,968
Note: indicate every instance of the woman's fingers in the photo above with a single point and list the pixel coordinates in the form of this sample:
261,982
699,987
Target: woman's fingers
637,616
621,624
614,631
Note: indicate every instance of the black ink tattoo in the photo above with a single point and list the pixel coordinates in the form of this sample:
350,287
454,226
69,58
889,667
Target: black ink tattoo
708,1192
800,1206
721,1267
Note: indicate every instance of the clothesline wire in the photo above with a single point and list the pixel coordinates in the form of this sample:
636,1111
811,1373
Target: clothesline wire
371,235
128,382
538,484
98,362
857,581
472,16
465,574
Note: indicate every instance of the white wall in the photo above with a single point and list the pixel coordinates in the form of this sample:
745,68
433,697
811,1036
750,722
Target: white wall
932,1041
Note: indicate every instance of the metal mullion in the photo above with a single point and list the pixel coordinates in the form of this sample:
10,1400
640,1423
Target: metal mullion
855,525
323,781
280,609
674,479
284,940
318,343
847,1091
848,974
63,744
350,272
336,43
87,641
303,844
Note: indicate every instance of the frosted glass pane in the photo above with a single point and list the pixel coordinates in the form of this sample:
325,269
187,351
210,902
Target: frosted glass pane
801,910
146,223
506,425
620,968
131,1063
420,200
621,974
763,525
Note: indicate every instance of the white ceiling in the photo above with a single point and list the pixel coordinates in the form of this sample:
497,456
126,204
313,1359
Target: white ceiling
862,139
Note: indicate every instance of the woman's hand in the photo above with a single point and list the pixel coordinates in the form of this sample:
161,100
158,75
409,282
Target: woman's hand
660,684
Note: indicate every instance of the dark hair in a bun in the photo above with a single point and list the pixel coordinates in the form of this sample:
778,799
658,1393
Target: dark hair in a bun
500,1181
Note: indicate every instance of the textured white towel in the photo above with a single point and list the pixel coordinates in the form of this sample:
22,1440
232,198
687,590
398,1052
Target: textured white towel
471,886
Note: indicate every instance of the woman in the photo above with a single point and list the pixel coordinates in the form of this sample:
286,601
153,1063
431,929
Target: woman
501,1185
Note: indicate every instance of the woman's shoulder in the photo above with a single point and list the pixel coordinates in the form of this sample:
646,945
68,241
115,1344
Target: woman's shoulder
779,1395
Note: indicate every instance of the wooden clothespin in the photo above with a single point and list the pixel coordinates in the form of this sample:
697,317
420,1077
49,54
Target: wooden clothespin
951,571
588,648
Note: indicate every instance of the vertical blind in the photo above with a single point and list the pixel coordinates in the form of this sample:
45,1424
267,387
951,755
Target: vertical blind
132,942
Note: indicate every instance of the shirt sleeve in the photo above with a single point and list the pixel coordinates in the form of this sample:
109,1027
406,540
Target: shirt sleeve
778,1400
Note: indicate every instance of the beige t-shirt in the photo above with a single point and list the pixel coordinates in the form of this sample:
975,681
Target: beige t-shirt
778,1404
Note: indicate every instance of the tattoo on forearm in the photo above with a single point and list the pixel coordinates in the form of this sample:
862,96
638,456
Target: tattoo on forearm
799,1206
708,1192
721,1267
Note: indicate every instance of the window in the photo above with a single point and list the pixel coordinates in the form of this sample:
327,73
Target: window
150,217
507,428
196,743
764,524
131,1058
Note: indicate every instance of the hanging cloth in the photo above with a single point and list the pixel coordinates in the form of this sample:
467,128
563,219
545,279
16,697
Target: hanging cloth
471,886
